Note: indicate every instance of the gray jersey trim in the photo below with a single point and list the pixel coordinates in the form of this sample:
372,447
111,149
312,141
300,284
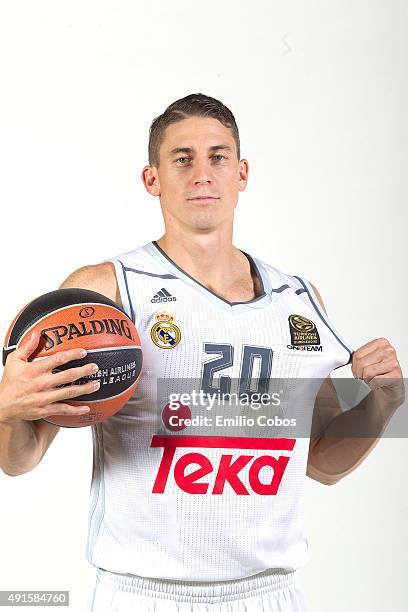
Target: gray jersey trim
132,312
95,490
123,286
127,269
203,287
325,320
280,289
150,273
99,508
98,577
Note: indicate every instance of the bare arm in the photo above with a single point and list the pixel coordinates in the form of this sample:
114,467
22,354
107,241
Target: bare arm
24,441
332,458
334,450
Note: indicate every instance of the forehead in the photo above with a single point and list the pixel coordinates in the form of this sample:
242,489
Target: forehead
196,132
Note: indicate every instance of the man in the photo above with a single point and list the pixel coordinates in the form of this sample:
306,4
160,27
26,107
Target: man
164,535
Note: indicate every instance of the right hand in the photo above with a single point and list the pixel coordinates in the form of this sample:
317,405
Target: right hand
28,389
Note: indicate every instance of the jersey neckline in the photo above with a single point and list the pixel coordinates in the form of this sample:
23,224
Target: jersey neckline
157,250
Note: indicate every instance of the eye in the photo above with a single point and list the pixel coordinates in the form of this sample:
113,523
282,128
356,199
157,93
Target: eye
181,160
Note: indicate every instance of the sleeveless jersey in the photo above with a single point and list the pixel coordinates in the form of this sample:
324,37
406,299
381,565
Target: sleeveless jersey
222,505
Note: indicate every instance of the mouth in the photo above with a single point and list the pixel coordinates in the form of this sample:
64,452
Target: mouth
203,199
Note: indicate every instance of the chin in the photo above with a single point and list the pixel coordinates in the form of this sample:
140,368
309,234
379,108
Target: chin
204,227
209,219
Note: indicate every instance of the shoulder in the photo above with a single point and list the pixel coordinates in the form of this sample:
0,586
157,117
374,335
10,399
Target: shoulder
97,277
318,296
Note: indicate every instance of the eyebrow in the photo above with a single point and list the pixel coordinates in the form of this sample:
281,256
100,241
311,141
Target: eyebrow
176,150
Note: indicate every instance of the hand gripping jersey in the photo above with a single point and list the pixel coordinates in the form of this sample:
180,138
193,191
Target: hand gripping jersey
216,503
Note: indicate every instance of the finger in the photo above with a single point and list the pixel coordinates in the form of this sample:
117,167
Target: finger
373,357
377,369
370,346
70,392
69,376
60,408
28,346
387,380
49,363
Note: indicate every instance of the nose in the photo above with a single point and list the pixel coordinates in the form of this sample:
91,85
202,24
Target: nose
202,172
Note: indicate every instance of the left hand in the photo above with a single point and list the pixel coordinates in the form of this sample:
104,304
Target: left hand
376,363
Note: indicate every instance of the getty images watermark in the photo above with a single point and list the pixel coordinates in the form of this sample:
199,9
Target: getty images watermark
180,409
209,400
278,407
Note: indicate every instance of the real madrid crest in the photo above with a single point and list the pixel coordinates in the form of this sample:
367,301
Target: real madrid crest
165,333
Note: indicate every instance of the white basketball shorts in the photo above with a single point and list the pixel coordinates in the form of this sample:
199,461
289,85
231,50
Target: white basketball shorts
269,591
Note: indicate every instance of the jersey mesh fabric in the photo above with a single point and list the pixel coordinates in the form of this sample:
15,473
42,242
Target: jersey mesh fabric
175,534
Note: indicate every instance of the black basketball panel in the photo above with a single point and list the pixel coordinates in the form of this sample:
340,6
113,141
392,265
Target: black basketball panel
49,302
118,370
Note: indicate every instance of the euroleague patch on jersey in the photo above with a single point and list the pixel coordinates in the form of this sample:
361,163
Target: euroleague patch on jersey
303,332
165,333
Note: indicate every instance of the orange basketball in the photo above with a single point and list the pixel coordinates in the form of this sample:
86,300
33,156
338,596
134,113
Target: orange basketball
80,318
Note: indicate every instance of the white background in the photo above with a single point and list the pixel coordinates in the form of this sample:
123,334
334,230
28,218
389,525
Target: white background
319,92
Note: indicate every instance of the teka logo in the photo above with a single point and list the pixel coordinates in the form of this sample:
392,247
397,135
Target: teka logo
229,466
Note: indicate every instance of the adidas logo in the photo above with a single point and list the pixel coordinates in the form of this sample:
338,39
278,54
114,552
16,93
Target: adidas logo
163,296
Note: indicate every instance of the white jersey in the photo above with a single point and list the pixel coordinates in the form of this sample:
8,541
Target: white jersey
207,502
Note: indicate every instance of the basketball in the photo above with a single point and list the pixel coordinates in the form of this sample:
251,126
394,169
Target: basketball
80,318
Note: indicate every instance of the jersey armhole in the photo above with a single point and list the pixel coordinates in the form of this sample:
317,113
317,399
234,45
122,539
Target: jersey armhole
319,310
123,287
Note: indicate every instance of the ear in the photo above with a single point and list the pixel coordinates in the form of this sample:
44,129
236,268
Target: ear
243,174
150,180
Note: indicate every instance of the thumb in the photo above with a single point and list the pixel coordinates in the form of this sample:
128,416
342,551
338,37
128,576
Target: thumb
28,346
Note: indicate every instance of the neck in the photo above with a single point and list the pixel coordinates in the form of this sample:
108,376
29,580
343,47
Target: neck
210,258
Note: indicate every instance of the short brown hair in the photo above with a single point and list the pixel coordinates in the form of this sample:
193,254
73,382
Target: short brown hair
193,105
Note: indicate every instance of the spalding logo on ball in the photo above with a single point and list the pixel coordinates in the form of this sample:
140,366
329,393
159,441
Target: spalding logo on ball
80,318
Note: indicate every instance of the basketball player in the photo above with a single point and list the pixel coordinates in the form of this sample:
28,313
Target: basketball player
162,535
